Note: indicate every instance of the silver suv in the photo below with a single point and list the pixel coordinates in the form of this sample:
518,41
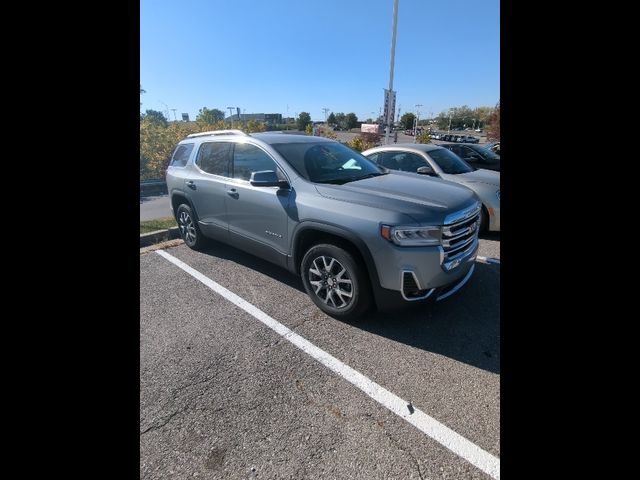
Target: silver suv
358,234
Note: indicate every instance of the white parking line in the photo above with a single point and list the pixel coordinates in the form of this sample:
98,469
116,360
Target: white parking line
482,259
455,442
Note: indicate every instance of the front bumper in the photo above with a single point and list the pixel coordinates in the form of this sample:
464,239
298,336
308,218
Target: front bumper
494,219
391,300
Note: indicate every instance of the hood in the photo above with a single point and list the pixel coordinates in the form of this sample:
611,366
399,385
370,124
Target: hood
424,198
480,176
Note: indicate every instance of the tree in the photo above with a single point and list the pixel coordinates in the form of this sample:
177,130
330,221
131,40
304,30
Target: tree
304,119
341,120
154,117
423,137
351,120
407,120
209,117
141,92
331,119
493,125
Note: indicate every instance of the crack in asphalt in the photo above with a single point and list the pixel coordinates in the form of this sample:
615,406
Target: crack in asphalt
404,450
175,393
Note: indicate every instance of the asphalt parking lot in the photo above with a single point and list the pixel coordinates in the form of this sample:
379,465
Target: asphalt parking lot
224,396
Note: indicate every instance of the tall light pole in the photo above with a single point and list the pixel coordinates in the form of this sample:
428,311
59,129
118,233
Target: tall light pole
325,110
393,54
449,130
174,114
230,114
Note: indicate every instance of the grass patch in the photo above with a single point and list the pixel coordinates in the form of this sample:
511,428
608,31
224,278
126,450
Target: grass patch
157,224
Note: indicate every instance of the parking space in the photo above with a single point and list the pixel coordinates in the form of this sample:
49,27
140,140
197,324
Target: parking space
224,396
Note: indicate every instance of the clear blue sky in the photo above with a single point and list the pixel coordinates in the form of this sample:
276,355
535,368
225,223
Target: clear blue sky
264,55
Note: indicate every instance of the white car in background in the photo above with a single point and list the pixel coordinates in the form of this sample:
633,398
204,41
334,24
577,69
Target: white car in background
435,161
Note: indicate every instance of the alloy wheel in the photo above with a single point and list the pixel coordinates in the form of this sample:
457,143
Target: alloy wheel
331,281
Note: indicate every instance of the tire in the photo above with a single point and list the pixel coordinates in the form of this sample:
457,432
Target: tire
336,282
484,220
189,229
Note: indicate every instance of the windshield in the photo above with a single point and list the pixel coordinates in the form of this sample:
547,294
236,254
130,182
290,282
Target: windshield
327,162
485,152
449,162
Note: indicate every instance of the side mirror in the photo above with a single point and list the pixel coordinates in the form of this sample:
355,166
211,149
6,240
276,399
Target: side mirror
426,170
267,178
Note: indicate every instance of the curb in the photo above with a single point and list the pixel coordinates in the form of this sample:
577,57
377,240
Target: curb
159,236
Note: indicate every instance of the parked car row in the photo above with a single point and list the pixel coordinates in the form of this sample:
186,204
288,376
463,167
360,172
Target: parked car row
447,137
358,234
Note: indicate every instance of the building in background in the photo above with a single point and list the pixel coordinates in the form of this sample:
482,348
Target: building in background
268,118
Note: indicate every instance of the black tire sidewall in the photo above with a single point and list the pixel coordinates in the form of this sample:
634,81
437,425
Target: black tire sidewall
199,241
359,281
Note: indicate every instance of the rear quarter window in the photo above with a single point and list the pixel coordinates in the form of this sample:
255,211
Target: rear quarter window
181,155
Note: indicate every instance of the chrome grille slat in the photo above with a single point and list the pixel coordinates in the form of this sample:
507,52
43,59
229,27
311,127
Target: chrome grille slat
460,232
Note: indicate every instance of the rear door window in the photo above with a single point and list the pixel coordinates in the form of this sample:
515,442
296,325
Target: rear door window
214,158
248,158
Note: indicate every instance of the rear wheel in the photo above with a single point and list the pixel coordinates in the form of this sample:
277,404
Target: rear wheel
336,282
189,230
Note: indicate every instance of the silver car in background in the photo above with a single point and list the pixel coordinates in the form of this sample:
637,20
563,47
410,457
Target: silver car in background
435,161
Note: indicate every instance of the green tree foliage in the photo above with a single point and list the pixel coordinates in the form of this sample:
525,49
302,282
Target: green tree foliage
364,141
154,116
331,119
141,92
158,141
209,117
463,117
423,137
407,120
341,120
327,133
351,120
303,120
493,125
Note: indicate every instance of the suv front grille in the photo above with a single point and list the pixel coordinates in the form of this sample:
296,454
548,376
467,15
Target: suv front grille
460,235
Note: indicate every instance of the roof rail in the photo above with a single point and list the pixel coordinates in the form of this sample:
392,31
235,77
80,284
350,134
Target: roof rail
217,132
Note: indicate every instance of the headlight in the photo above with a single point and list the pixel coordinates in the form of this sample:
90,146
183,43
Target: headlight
498,194
410,236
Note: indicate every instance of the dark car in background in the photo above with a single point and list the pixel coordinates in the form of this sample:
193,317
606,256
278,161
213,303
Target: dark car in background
494,147
475,155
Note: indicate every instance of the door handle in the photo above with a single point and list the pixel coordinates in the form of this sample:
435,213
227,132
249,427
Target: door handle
191,184
233,192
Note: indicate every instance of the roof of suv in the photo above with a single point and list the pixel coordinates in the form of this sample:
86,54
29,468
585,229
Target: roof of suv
273,137
425,147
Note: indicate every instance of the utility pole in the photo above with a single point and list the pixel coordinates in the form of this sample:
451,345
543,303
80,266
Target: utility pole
393,55
174,114
325,110
166,107
230,114
415,128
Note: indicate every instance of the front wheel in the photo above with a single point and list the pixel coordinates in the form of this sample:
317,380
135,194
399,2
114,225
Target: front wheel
336,282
